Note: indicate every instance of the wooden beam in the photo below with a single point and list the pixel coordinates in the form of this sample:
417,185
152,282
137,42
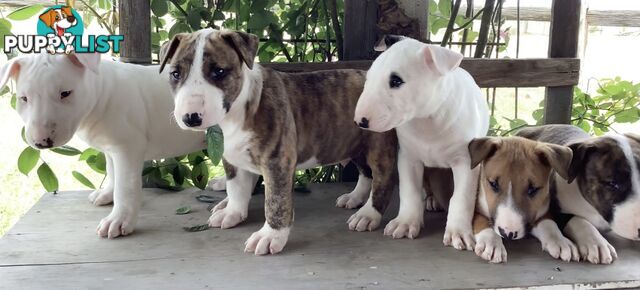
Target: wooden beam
360,32
563,42
487,72
135,25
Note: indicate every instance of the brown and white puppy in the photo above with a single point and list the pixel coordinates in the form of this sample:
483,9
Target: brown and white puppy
513,194
274,123
603,189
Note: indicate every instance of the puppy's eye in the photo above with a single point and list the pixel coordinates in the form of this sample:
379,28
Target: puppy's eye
23,99
532,190
175,75
395,81
495,186
65,94
612,185
218,73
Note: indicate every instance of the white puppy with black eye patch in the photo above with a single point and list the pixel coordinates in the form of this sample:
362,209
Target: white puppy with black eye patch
124,110
436,108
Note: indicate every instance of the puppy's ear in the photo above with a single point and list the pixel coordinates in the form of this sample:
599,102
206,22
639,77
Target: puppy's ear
481,149
89,61
443,60
387,41
49,17
245,45
581,152
10,70
558,157
169,48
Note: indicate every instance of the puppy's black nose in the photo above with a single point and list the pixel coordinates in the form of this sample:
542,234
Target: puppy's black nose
192,120
364,123
46,143
510,235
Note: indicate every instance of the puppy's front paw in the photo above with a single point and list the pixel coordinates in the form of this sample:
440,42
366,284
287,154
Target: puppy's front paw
267,240
597,251
404,226
489,246
561,248
459,235
217,184
366,218
430,204
224,216
350,200
120,222
101,196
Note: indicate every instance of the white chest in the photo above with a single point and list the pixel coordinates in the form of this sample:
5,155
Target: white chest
433,151
236,148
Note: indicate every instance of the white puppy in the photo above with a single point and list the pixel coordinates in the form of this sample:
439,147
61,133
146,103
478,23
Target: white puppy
436,108
124,110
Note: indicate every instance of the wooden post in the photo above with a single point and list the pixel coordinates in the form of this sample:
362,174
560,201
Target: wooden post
563,42
360,32
135,25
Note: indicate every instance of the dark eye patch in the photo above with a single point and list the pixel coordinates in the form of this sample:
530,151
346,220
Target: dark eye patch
395,81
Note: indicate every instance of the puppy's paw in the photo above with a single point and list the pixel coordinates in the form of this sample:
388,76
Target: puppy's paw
119,222
350,200
366,218
223,216
561,248
489,246
217,184
430,204
597,251
404,226
101,196
267,240
459,235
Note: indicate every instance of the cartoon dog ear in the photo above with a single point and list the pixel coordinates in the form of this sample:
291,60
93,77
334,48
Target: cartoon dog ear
443,60
245,45
49,17
481,149
581,152
90,61
558,157
169,48
11,69
387,41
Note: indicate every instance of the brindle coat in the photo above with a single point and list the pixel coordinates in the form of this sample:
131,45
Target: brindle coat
291,117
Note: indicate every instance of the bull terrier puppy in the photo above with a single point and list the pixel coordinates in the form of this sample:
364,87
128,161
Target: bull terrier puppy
273,124
437,109
513,195
123,110
603,189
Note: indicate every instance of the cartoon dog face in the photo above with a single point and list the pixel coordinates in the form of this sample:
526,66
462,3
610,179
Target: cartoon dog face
515,180
52,98
59,19
607,170
207,74
401,83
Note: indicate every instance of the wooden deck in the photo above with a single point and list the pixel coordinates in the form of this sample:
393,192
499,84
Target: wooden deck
55,247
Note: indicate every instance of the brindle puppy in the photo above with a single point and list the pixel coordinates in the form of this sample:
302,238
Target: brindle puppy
273,124
603,190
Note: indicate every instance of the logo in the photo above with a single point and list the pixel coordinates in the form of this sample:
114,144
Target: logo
60,31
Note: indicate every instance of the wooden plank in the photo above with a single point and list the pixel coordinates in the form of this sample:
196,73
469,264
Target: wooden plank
360,32
135,25
54,246
563,42
487,72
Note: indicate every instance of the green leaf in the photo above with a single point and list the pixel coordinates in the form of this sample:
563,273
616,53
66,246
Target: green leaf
66,150
195,158
627,116
183,210
83,179
22,134
104,4
197,228
194,19
28,160
218,15
159,7
438,24
13,101
215,144
25,12
260,20
200,175
444,6
179,173
433,6
88,153
148,170
47,178
5,29
98,163
179,27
